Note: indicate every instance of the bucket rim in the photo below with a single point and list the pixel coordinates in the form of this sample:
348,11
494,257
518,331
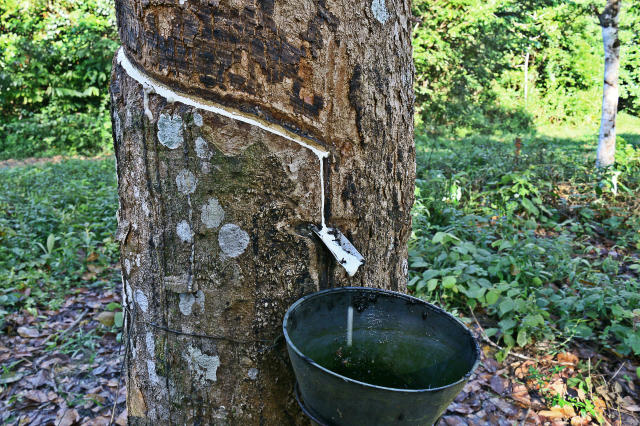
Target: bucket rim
407,297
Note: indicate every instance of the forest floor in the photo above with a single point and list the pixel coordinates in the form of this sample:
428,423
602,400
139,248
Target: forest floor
64,367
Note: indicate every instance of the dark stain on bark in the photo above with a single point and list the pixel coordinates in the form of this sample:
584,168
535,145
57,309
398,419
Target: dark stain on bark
355,97
209,42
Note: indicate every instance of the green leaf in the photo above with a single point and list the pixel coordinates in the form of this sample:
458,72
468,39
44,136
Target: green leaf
437,239
508,340
491,331
51,240
492,296
118,319
507,305
449,281
432,284
522,337
113,306
528,205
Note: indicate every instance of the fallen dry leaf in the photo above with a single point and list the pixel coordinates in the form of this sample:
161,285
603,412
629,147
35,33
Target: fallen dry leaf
93,256
28,332
70,417
550,414
567,357
580,421
36,395
521,395
558,387
106,318
498,384
121,420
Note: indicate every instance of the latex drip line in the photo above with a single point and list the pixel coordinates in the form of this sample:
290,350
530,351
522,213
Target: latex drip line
339,246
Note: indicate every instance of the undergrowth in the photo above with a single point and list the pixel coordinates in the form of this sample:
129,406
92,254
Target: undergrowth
56,230
526,231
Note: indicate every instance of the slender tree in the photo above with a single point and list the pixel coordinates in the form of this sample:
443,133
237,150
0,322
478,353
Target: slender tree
609,19
237,125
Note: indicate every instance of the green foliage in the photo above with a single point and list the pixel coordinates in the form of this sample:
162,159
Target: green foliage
54,221
55,61
470,60
533,240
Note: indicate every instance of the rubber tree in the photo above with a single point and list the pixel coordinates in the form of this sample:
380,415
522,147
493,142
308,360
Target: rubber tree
237,125
609,19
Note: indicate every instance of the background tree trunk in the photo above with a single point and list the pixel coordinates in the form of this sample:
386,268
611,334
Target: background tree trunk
609,19
221,111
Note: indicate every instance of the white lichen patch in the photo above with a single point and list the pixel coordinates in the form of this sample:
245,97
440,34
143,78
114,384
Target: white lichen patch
253,373
142,301
212,213
151,369
128,291
170,130
205,167
203,366
202,149
187,300
379,10
118,130
184,231
197,119
151,344
186,182
233,240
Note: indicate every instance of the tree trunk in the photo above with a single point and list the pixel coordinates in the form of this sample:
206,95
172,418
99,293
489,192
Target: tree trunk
609,19
237,123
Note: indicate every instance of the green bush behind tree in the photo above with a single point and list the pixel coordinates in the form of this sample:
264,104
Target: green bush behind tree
55,63
470,56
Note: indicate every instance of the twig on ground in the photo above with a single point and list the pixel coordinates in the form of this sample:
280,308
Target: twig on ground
68,329
616,373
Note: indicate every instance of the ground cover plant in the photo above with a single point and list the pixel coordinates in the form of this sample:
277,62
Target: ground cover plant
524,233
56,230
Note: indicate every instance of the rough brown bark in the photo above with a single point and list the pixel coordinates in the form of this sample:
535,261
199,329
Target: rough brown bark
214,213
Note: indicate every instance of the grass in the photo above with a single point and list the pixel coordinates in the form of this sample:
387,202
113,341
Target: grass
524,230
57,223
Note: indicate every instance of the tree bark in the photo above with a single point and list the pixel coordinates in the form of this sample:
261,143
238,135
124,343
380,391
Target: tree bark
226,114
609,19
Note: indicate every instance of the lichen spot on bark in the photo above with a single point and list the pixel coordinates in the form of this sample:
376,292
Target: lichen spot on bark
170,130
142,301
379,9
151,344
203,366
202,149
197,119
151,369
187,300
212,213
253,373
233,240
184,231
186,182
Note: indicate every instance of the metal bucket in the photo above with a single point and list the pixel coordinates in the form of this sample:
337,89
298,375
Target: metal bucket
406,363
